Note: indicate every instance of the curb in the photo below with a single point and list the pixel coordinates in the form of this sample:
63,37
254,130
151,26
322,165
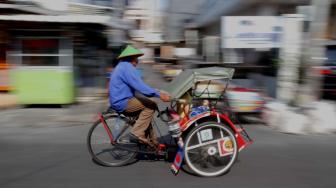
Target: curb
8,101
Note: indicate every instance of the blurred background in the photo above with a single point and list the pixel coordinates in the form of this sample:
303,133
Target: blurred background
61,52
56,57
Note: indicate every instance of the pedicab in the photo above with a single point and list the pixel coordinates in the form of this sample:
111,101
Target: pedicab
202,137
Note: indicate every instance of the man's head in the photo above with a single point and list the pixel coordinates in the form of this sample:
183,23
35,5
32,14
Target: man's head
130,54
132,59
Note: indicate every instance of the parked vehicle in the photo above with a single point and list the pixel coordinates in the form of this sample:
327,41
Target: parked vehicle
328,72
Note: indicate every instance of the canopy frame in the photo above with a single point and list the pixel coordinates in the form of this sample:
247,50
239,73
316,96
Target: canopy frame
188,78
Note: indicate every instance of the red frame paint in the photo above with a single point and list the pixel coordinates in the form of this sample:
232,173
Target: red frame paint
107,129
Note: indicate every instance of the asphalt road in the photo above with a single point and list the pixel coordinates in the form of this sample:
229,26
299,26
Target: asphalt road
56,156
46,147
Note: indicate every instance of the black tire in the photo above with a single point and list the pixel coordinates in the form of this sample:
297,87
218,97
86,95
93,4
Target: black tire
213,154
105,153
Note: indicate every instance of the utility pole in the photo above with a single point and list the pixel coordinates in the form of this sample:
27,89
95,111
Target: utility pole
290,53
315,54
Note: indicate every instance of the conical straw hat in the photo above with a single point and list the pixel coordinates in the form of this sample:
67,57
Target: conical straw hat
130,51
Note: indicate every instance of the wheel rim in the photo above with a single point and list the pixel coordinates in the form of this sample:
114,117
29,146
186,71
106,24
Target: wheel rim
101,146
206,158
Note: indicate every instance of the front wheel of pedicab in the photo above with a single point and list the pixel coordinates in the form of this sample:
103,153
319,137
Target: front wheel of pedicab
210,149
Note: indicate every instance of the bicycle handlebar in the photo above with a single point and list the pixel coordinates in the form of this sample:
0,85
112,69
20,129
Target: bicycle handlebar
178,100
166,115
163,113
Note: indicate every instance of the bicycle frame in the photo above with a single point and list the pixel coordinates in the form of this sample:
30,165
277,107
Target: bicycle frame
107,129
113,139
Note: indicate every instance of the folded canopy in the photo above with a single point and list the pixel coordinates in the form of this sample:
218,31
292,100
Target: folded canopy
187,78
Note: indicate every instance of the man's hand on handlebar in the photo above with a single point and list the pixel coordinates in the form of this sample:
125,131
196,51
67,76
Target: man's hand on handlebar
164,96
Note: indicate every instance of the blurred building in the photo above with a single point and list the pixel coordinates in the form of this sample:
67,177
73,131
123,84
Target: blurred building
208,23
147,15
260,64
179,14
60,36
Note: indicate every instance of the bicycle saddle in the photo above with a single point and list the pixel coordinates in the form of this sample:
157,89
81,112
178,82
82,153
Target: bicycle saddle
110,110
130,114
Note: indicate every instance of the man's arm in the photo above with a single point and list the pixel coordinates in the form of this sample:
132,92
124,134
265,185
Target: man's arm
132,79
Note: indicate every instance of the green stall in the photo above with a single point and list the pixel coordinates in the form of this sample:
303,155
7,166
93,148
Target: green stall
43,70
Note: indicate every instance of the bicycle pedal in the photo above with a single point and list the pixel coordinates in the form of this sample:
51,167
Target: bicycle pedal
127,144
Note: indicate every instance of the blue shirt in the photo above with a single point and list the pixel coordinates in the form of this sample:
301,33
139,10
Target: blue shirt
124,81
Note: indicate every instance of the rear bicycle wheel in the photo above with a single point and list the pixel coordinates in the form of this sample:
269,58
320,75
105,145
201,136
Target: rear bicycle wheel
210,149
100,147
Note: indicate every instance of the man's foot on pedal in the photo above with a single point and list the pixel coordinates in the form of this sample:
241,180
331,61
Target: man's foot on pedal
136,139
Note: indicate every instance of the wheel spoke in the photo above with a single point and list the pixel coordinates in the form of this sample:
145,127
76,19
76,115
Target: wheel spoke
203,144
114,154
201,162
103,151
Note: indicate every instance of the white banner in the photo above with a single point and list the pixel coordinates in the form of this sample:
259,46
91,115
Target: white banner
251,31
